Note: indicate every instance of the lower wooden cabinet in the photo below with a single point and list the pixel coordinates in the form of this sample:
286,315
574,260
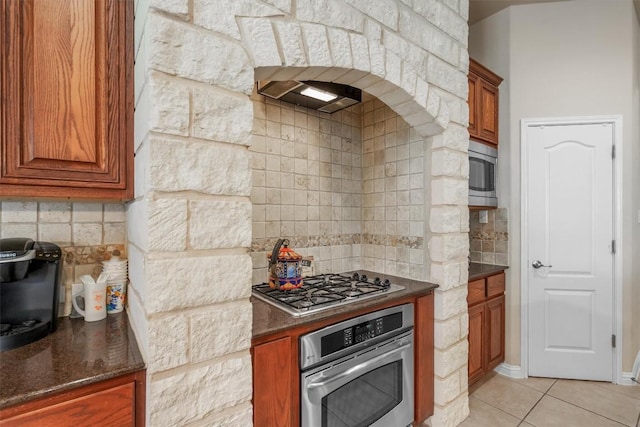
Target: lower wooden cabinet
276,373
486,325
116,402
274,383
423,359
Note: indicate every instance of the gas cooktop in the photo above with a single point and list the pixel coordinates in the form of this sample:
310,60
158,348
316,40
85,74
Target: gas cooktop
324,291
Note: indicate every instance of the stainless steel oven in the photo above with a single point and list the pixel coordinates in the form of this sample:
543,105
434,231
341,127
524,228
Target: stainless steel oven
359,372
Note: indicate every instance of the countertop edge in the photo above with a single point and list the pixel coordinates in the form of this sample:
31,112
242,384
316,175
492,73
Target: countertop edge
65,387
479,271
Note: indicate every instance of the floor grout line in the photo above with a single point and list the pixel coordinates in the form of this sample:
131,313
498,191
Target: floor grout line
495,407
547,393
522,420
538,401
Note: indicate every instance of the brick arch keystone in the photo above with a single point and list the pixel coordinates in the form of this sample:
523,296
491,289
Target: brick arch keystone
290,50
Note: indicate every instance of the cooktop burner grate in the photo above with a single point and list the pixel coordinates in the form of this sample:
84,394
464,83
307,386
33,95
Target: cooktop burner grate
324,291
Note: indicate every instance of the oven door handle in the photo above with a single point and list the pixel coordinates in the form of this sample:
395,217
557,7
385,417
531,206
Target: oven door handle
359,367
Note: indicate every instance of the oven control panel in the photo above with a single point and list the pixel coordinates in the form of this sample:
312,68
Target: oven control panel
363,332
359,333
354,334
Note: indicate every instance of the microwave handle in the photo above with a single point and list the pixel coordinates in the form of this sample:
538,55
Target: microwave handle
360,367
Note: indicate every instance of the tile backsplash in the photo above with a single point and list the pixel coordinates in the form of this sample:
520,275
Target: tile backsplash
489,242
346,188
87,233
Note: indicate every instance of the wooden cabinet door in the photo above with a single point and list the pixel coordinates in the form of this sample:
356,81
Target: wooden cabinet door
473,106
495,332
275,390
67,105
483,103
488,112
476,342
423,359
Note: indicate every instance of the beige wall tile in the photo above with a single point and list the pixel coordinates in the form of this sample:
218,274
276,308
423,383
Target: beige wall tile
19,212
54,212
87,234
18,230
59,234
87,212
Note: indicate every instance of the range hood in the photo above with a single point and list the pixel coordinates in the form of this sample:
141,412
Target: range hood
322,96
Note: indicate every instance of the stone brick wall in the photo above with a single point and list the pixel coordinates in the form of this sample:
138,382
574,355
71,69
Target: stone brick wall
189,228
87,233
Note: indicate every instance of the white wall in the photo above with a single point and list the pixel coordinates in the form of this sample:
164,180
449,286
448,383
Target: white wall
564,59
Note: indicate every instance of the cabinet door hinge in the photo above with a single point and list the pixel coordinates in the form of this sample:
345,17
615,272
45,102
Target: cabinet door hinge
613,341
613,246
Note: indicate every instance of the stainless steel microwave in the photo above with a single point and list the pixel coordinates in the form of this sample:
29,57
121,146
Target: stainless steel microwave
483,166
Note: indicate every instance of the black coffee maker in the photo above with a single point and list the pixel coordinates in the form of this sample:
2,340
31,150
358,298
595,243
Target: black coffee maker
29,278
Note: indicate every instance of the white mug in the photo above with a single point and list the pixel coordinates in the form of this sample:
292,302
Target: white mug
95,295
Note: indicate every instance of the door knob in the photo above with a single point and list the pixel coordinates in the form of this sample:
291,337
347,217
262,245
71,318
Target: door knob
537,264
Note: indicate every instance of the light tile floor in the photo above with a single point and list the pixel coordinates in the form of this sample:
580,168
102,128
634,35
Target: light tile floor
547,402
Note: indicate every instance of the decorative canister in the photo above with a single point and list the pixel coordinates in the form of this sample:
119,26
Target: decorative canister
116,270
285,267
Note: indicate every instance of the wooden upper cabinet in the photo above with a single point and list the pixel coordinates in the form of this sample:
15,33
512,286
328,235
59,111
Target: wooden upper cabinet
473,89
483,103
67,104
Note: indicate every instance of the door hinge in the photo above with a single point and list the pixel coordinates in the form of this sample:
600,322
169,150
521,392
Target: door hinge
613,151
613,341
613,246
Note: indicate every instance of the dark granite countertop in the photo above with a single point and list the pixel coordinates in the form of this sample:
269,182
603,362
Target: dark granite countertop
77,354
480,271
268,319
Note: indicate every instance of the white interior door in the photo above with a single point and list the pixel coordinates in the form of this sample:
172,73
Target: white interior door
570,231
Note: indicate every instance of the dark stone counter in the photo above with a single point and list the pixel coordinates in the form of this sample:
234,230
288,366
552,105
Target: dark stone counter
480,271
77,354
268,319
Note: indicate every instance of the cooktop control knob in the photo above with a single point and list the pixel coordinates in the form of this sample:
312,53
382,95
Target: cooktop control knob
377,281
364,278
355,276
386,283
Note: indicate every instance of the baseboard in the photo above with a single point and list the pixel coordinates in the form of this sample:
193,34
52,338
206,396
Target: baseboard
511,371
515,371
627,379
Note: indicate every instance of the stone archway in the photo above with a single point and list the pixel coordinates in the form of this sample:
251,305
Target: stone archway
191,219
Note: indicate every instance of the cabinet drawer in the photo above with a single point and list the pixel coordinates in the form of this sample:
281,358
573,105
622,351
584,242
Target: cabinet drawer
476,292
495,285
111,407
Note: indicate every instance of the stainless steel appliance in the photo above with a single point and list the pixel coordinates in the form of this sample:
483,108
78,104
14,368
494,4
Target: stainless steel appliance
324,291
326,97
483,164
29,279
359,372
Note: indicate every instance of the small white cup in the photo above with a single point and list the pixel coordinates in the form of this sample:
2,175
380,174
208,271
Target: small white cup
95,295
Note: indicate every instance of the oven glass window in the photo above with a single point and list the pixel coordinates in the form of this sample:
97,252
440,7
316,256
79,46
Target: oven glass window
481,175
364,400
